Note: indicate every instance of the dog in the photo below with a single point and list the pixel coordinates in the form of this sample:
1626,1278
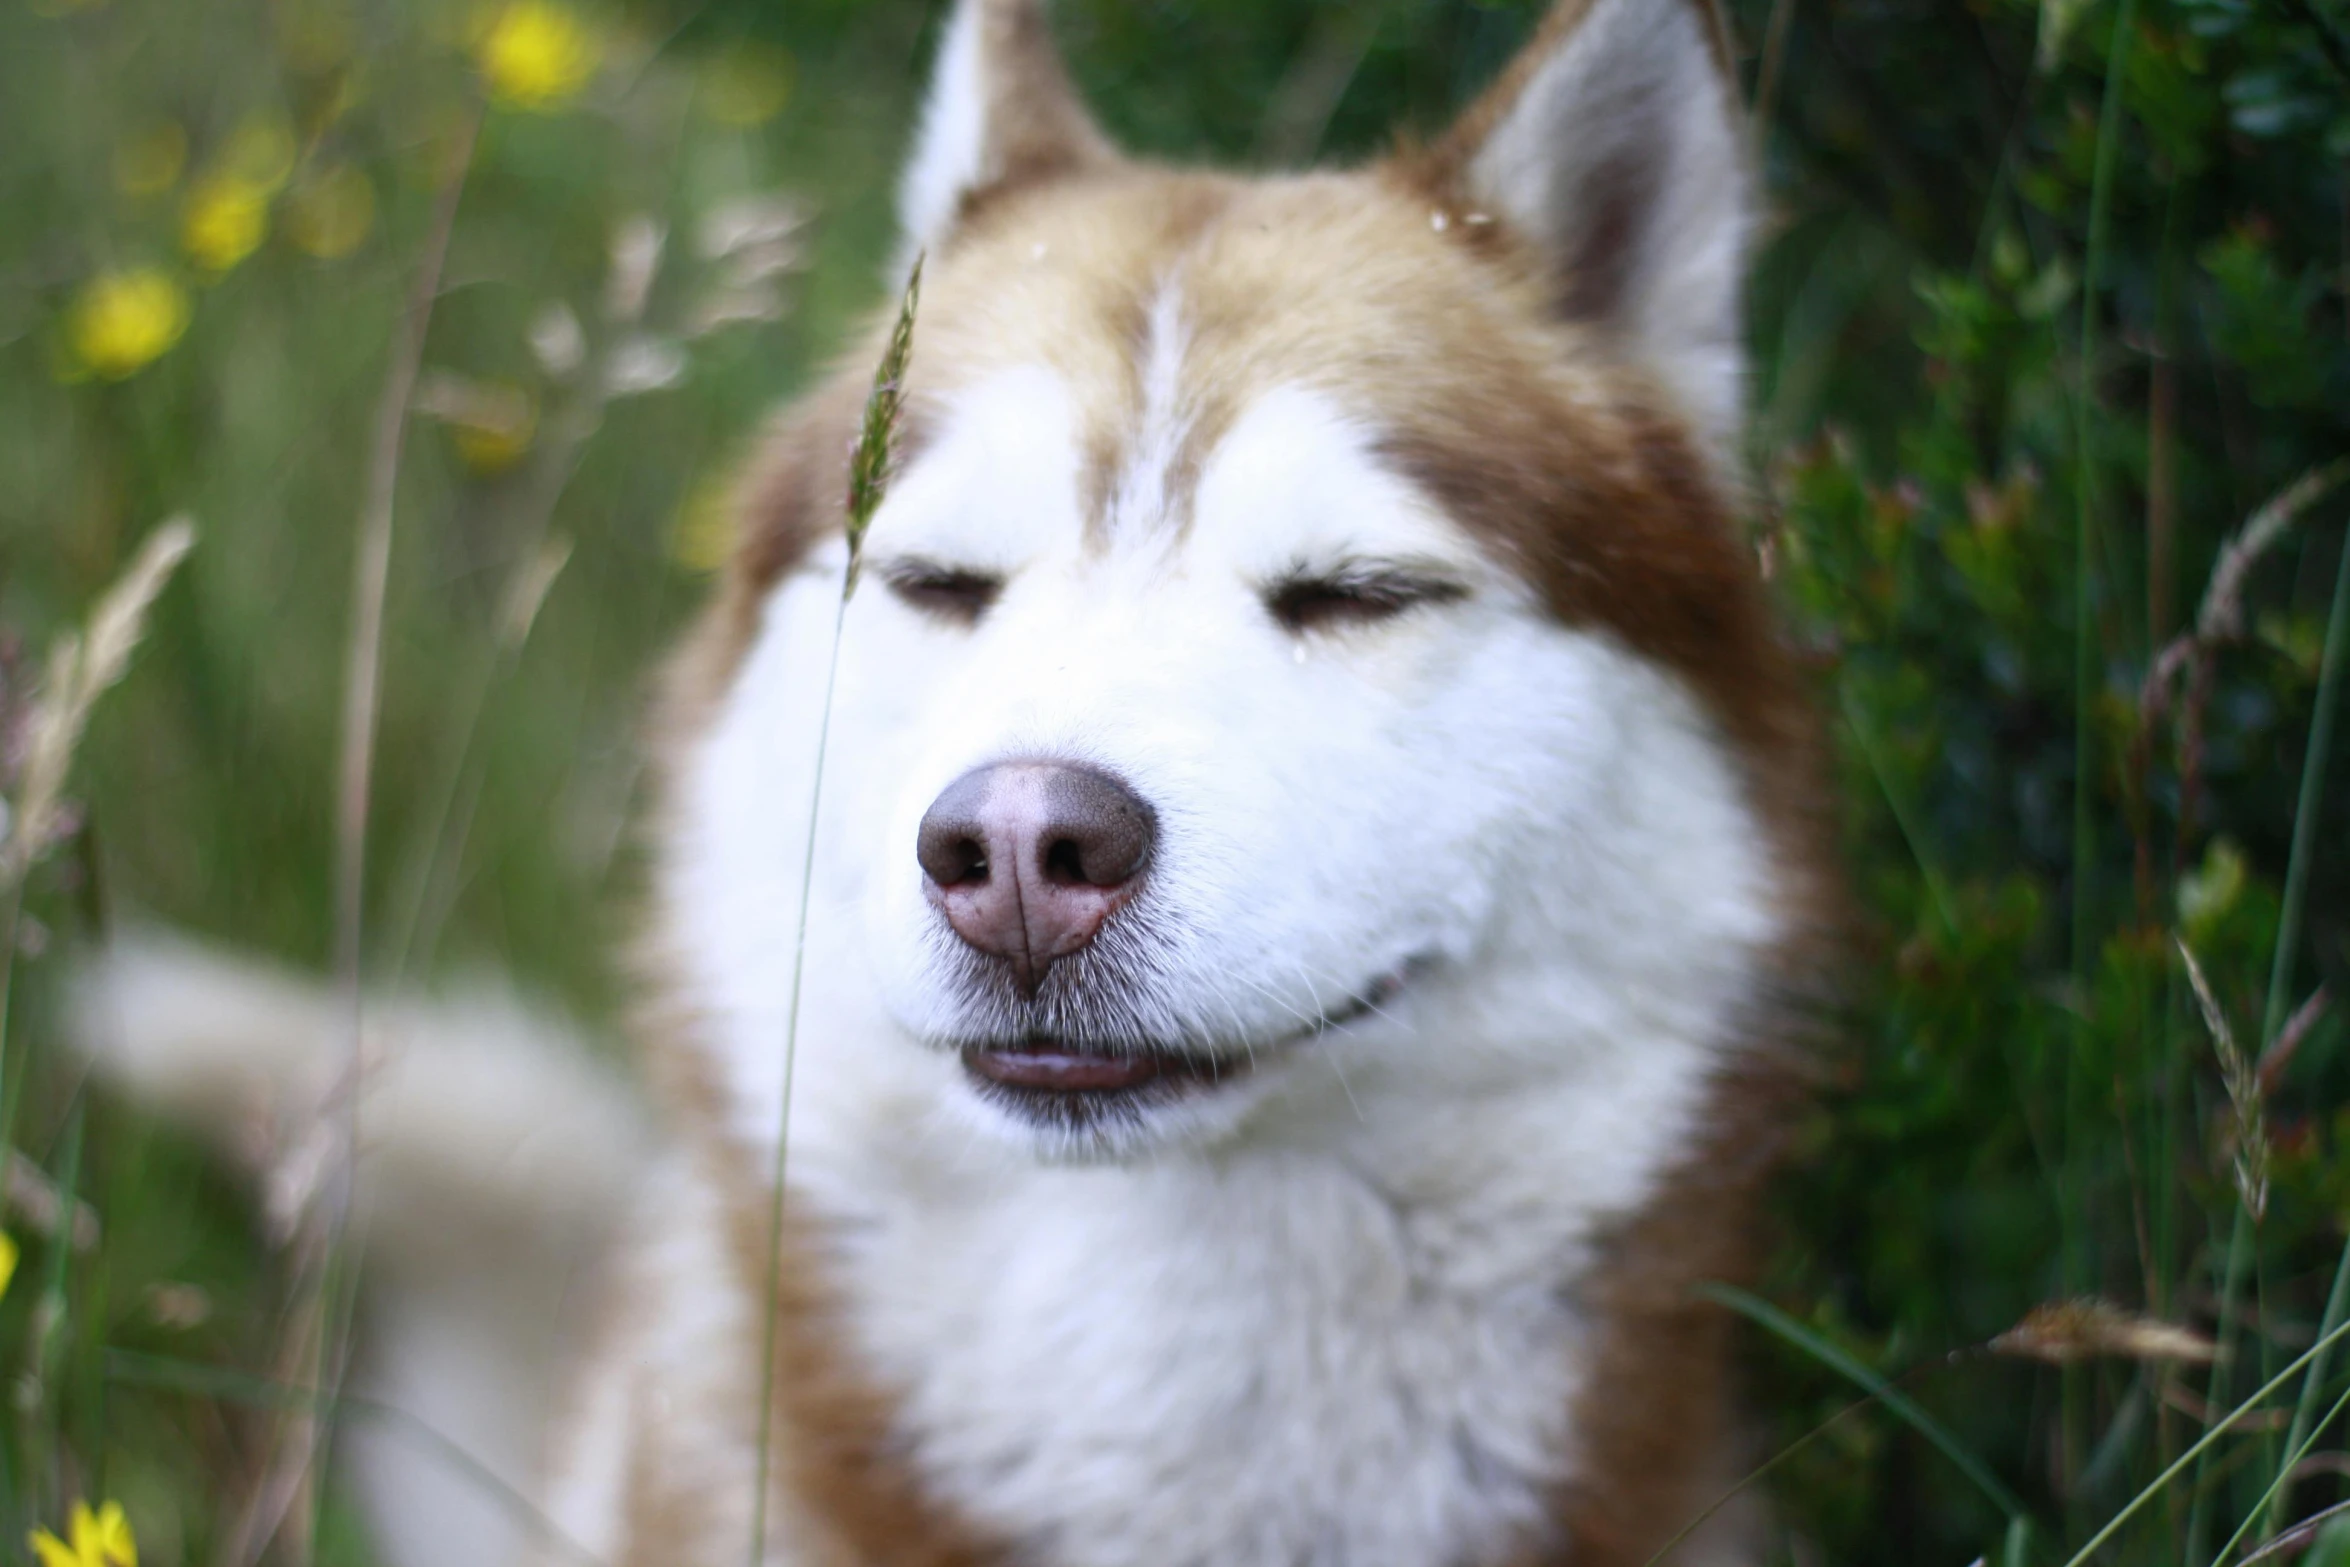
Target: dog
1308,931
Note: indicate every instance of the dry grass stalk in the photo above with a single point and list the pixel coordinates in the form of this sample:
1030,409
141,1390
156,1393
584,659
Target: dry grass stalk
2298,1538
2194,654
2221,618
2243,1084
34,1200
2063,1332
314,1347
2278,1057
81,669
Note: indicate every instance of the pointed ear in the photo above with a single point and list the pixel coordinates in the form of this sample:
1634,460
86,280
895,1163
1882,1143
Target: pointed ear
1001,111
1616,143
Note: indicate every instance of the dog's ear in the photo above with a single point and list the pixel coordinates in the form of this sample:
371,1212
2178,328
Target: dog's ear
1001,111
1616,143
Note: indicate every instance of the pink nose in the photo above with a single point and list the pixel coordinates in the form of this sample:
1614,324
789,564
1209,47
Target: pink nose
1027,859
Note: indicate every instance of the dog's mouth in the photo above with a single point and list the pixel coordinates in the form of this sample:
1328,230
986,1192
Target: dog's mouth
1045,1066
1072,1084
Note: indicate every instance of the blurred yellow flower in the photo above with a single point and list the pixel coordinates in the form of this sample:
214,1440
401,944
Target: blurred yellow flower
535,54
703,539
224,221
491,423
7,1260
329,215
123,321
150,164
747,86
99,1539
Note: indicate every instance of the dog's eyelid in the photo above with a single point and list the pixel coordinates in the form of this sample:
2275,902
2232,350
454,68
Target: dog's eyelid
947,591
1358,591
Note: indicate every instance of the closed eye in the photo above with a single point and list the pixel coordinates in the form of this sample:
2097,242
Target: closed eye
958,595
1354,595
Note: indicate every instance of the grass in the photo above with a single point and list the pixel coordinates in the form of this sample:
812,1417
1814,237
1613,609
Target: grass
870,468
1991,241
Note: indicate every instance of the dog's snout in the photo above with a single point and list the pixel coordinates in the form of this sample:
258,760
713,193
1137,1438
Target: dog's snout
1027,859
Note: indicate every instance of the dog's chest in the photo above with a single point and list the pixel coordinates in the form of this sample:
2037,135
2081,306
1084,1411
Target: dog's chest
1259,1364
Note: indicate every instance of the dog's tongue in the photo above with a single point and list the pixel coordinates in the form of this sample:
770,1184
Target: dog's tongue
1061,1071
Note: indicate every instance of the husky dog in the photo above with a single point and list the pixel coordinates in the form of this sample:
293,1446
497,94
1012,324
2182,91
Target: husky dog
1317,882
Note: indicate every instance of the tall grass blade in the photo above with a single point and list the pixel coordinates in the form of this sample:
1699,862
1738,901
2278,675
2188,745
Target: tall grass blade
870,468
2295,1450
2076,1243
2280,974
1771,1317
2305,1408
324,1285
2239,1261
1755,1476
2202,1445
2302,1533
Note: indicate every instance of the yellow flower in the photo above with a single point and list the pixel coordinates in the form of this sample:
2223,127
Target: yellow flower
330,215
100,1539
702,540
225,220
7,1260
124,321
535,54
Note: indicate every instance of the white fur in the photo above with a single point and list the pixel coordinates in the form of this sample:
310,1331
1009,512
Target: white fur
1366,1255
1636,87
1141,499
950,148
670,1395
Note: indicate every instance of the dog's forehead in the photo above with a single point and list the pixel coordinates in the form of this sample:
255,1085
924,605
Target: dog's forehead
1162,313
1147,342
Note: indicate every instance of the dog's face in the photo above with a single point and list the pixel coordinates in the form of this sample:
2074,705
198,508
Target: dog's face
1304,670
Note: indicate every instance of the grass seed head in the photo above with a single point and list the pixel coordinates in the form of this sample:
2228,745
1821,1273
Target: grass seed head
2244,1094
870,468
2066,1331
81,669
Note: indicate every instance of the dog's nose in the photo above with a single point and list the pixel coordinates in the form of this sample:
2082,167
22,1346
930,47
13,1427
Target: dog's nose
1026,859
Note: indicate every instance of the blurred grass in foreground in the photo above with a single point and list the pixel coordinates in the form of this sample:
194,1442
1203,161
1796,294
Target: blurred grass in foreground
2050,304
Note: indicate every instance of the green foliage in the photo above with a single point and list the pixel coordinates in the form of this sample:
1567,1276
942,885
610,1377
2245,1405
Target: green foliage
1955,406
2031,1108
